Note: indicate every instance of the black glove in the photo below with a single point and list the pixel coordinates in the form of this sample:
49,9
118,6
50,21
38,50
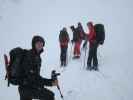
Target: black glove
72,41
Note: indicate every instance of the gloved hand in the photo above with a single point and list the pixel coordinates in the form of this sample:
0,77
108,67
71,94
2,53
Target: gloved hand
101,42
72,41
55,83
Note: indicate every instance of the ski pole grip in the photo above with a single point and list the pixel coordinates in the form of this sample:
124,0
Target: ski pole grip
54,75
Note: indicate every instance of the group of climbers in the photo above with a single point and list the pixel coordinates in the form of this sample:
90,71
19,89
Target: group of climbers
95,36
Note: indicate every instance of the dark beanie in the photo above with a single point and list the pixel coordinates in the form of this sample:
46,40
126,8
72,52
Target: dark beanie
90,23
37,38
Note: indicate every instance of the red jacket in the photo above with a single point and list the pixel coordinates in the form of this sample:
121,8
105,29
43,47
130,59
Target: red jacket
91,35
64,43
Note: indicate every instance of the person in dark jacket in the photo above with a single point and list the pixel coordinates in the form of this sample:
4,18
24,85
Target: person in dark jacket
92,48
63,39
77,41
81,31
83,35
32,85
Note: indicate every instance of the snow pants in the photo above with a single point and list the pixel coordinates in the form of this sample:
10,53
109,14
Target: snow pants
77,48
63,56
92,55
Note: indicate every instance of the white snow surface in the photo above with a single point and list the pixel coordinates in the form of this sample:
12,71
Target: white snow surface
20,20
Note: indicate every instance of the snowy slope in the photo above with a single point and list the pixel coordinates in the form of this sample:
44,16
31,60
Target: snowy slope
21,19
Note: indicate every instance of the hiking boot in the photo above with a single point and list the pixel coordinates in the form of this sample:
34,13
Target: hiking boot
89,67
76,57
95,68
65,63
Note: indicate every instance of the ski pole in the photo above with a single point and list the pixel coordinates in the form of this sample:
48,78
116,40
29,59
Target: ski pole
60,91
67,57
70,51
54,76
85,56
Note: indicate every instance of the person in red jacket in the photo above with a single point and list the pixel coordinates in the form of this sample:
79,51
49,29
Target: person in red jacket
63,39
77,41
92,48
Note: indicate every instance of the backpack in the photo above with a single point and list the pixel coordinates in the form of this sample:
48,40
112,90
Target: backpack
14,69
100,33
63,36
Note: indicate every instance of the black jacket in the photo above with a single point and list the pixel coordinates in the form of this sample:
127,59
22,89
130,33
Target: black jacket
63,36
76,35
31,71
